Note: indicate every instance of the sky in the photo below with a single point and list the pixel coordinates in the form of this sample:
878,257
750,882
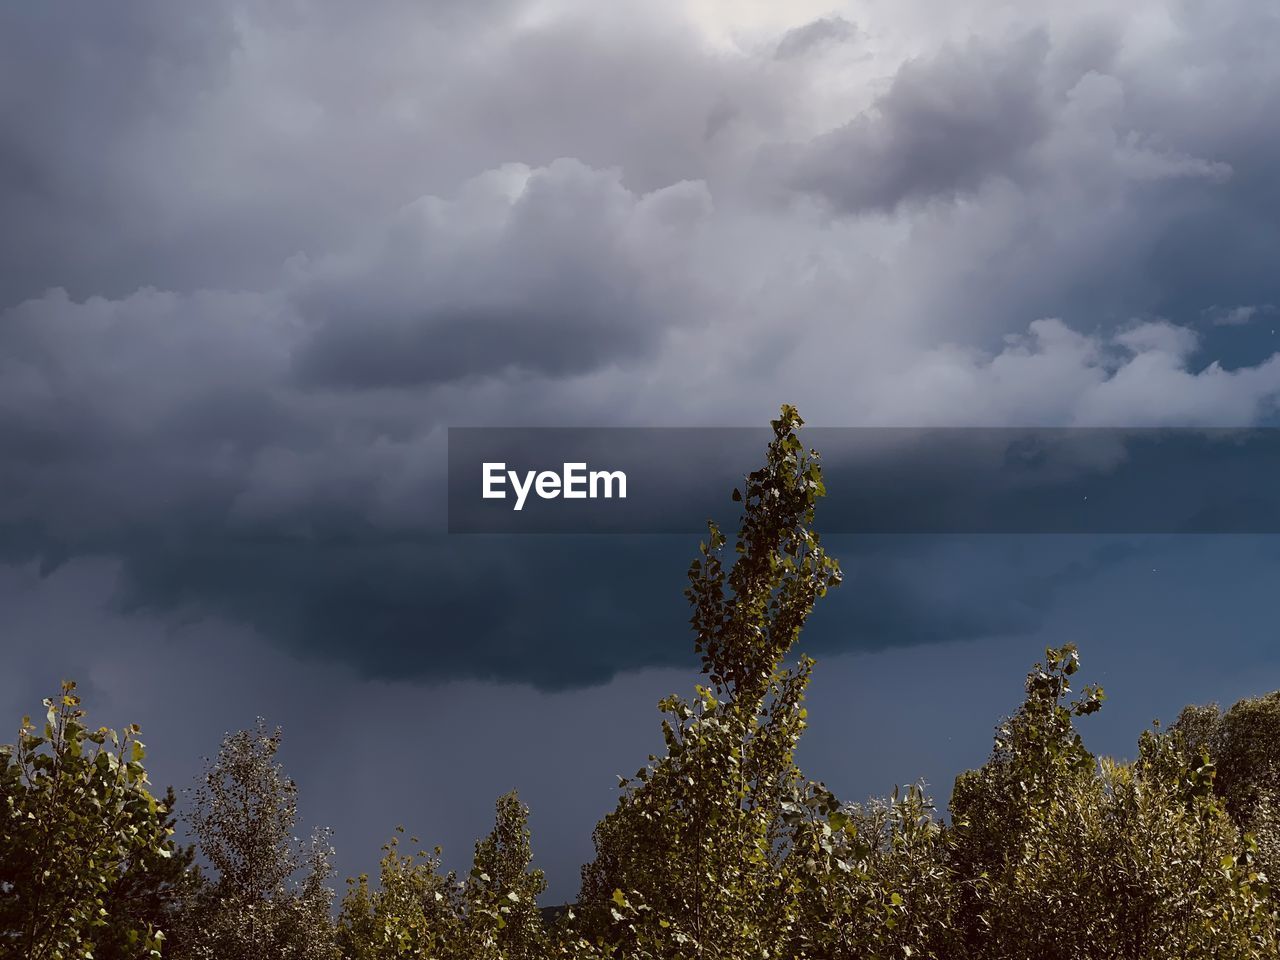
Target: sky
255,259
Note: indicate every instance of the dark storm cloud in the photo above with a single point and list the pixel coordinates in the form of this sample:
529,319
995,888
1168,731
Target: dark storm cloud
318,527
538,611
283,278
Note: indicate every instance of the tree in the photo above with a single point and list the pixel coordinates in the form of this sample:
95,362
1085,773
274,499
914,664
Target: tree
689,863
76,819
269,899
1062,856
997,809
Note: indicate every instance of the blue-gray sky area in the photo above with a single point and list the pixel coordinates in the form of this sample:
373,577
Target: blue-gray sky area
256,258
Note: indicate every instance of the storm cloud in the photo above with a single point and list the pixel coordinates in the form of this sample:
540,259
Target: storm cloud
258,259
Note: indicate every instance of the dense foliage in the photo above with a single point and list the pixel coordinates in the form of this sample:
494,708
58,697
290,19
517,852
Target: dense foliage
719,848
77,824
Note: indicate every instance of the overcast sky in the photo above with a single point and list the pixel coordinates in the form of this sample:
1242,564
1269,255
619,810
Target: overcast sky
255,258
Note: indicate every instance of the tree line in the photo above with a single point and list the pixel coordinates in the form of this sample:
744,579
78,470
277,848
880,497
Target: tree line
719,847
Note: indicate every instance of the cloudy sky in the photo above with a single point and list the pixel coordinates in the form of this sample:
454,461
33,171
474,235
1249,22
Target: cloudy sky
255,258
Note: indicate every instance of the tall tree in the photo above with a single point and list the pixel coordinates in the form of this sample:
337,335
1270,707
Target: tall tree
688,865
